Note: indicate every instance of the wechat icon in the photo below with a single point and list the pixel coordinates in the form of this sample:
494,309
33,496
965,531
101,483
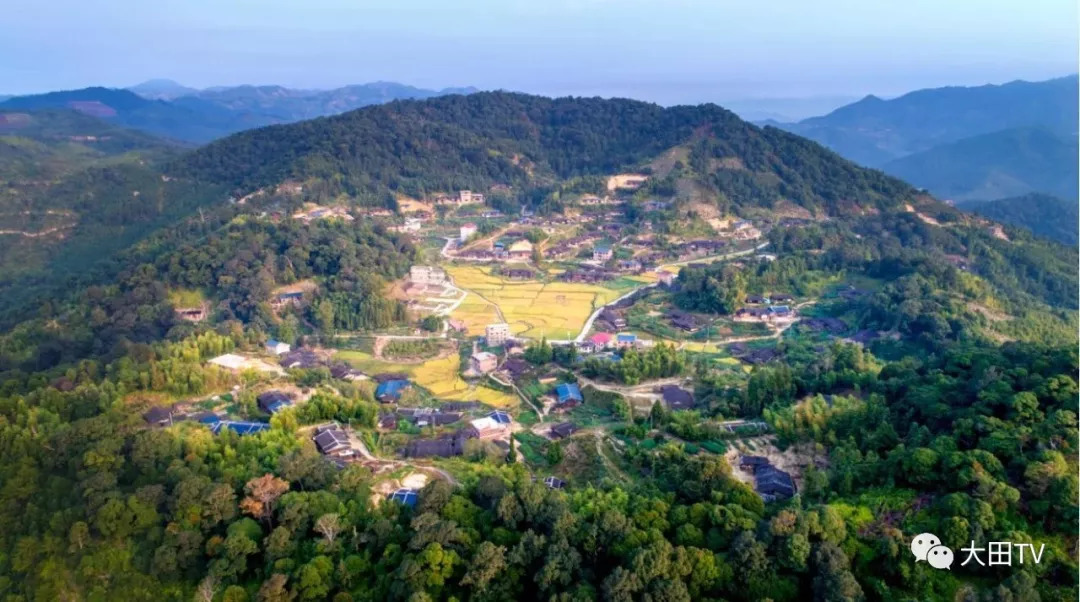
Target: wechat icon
927,546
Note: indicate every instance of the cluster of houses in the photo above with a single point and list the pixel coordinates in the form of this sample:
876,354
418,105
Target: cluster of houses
495,425
446,414
161,417
588,275
601,342
571,245
590,200
463,197
772,309
500,250
308,359
699,248
517,273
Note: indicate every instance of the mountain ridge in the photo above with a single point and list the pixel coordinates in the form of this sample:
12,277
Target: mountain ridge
873,131
174,111
517,139
1001,164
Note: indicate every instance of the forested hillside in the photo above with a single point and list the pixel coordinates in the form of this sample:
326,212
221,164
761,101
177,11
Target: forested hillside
1044,215
475,141
993,166
36,147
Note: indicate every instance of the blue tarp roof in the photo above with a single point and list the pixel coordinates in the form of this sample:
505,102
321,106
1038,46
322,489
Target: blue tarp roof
568,391
405,496
391,389
241,428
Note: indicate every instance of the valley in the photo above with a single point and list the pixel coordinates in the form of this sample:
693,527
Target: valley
383,352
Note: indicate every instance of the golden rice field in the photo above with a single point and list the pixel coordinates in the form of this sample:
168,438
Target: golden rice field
557,310
440,376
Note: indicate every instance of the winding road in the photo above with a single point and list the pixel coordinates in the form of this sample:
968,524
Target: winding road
596,314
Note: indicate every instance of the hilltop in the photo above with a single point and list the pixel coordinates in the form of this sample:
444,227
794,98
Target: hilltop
493,138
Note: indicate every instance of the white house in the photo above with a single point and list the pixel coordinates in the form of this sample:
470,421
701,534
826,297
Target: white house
277,347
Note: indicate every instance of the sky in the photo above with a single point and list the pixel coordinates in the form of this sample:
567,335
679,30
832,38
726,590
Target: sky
667,51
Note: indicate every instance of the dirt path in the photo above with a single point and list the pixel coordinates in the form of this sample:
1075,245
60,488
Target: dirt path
612,467
539,411
643,390
40,233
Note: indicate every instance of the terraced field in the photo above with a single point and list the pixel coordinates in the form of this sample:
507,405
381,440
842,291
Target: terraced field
557,310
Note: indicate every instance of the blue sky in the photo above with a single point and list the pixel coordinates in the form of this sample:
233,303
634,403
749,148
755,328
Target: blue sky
667,51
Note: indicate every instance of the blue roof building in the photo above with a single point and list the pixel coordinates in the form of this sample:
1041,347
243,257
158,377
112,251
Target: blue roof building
501,417
240,428
277,406
408,497
391,390
568,392
779,310
626,339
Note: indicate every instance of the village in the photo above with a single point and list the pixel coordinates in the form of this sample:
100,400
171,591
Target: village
584,284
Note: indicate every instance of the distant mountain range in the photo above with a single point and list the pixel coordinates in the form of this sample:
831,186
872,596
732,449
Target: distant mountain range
168,109
962,143
1001,164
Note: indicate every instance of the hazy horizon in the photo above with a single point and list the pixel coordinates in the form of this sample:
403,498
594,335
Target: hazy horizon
683,51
